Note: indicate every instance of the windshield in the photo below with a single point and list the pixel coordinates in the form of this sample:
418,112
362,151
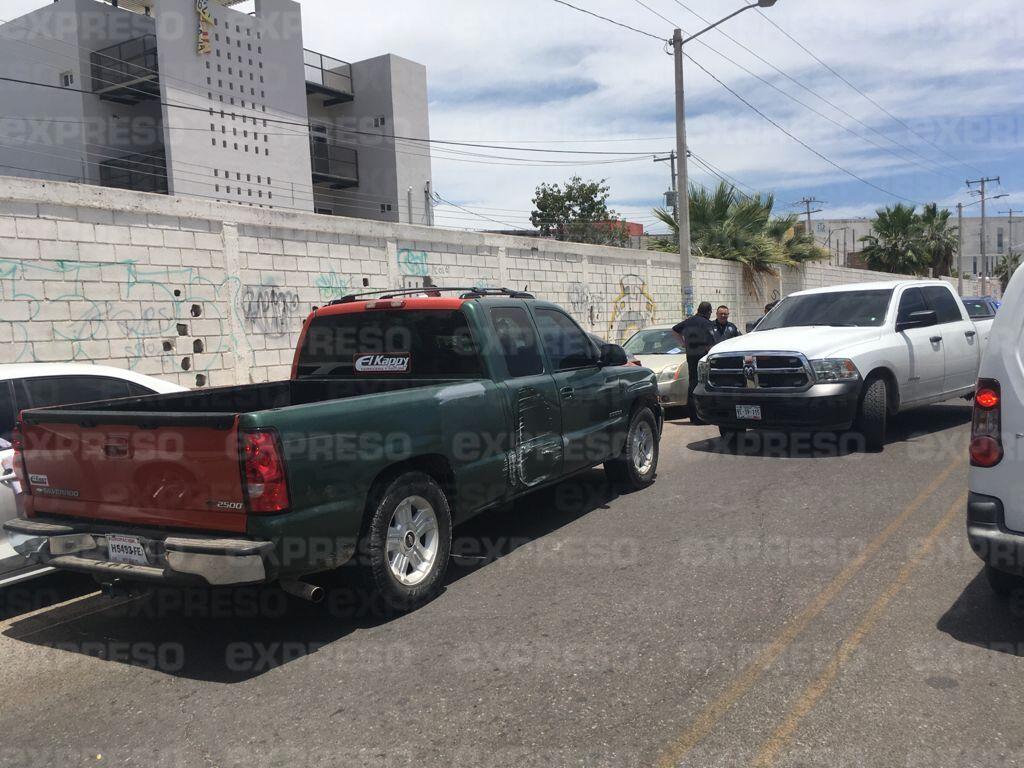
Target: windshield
853,309
655,342
977,308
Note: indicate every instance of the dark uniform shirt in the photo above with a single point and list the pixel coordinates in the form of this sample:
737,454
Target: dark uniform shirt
698,335
724,332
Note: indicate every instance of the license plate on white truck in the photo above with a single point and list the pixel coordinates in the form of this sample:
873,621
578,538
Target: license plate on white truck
748,412
126,549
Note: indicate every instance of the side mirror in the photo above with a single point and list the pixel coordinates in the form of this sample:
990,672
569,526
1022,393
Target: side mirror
612,354
924,318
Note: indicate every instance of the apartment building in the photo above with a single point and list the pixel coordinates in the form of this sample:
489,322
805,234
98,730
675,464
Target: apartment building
198,98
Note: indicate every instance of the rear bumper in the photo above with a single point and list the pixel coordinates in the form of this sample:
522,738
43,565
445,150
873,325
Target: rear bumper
172,559
991,541
822,407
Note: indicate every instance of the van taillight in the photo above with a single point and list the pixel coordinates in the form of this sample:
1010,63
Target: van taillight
263,476
986,429
20,472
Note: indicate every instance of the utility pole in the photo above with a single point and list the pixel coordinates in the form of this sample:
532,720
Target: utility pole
984,260
807,202
683,186
674,192
960,249
1010,227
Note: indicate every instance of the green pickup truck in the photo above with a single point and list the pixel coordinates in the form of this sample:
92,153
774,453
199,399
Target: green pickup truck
405,414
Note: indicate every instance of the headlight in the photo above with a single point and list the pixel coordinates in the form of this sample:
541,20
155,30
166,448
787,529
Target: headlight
669,373
834,370
702,371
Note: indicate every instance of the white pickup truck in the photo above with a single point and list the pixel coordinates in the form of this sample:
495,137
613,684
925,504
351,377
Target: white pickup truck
841,357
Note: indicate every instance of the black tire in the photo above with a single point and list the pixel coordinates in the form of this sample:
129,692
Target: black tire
1003,584
873,414
633,470
375,565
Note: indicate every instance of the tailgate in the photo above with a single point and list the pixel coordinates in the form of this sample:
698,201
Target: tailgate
155,475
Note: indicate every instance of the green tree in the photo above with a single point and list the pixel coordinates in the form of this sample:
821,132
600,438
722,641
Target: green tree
578,213
939,241
725,224
897,243
1007,265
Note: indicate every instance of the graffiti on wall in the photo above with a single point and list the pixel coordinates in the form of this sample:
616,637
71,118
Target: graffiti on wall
332,286
632,310
170,299
583,304
151,311
416,271
269,309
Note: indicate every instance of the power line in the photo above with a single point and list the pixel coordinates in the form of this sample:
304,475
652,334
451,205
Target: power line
798,140
814,93
814,56
611,21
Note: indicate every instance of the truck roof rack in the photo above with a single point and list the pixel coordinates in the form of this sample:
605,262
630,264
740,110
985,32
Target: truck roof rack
434,290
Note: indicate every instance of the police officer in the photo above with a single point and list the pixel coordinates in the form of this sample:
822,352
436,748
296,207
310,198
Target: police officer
723,329
697,333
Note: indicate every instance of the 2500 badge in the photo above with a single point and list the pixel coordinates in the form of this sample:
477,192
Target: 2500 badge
382,363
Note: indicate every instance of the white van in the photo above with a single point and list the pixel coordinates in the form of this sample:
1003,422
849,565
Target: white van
995,509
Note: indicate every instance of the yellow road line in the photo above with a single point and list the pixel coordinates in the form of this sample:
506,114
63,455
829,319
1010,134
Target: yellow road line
813,693
716,709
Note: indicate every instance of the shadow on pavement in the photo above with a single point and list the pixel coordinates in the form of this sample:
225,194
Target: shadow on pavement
980,618
43,592
229,636
913,425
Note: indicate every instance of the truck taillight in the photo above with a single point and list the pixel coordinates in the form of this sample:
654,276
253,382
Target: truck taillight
986,429
20,472
263,475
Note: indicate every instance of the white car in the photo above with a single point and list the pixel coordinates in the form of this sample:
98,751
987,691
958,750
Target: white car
660,349
37,385
834,358
995,506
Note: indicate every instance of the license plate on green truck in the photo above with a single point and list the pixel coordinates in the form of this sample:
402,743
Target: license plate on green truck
748,412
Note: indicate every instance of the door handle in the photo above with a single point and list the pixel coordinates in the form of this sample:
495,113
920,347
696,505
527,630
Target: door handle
970,334
567,392
936,339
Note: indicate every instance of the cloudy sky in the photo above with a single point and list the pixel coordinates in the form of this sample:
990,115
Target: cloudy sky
536,73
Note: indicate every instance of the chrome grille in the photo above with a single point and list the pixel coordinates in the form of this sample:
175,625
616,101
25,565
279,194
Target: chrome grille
763,370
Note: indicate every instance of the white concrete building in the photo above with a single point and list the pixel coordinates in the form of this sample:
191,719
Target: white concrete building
194,97
842,238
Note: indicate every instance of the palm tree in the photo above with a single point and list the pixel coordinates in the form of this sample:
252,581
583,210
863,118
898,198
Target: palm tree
939,241
1007,265
897,245
725,224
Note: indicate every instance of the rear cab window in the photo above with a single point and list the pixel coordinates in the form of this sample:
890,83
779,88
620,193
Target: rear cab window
404,343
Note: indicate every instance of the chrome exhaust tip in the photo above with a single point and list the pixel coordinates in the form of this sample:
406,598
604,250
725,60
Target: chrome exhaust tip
308,592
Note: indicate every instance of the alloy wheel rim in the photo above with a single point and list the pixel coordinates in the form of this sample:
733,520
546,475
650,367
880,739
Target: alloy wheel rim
643,448
412,542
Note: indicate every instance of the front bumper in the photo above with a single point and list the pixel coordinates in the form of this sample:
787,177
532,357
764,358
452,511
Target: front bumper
172,559
823,407
672,393
991,541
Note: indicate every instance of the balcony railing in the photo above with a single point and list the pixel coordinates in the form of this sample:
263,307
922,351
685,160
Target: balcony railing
333,164
140,173
127,72
329,77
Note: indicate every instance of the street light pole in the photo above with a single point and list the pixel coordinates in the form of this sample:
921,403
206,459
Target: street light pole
683,187
960,249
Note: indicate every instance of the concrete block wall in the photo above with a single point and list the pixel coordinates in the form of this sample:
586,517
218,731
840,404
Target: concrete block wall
211,294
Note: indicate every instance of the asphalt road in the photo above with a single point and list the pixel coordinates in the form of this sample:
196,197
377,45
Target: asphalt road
786,604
